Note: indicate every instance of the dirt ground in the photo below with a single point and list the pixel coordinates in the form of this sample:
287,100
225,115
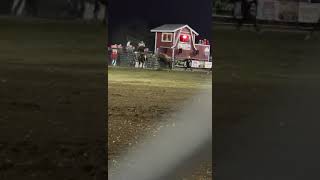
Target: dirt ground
52,117
138,100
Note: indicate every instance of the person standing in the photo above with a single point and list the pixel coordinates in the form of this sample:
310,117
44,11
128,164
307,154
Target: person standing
253,11
237,12
141,46
114,57
241,12
246,10
97,7
188,63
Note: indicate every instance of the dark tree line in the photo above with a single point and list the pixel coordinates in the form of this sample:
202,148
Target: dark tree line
62,8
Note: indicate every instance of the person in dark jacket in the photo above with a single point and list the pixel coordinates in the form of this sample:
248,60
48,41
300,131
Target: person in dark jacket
188,62
248,12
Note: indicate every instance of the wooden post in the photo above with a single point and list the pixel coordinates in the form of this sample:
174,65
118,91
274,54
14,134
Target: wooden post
173,59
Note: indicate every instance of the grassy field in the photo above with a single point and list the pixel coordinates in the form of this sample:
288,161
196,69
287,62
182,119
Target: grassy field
51,42
49,64
161,79
263,56
252,72
52,82
139,100
249,67
264,91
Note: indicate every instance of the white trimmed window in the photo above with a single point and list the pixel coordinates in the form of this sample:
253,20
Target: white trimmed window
166,37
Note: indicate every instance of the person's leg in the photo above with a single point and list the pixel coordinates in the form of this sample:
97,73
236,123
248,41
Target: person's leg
255,23
244,17
315,27
244,14
96,9
15,6
32,7
241,19
255,20
239,23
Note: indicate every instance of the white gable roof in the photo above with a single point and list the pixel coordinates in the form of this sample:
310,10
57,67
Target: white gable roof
172,28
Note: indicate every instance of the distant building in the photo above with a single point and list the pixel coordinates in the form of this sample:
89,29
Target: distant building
178,42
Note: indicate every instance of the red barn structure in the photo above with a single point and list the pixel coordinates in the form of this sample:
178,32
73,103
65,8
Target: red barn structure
178,42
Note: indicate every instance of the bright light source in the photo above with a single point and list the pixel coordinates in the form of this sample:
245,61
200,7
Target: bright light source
184,38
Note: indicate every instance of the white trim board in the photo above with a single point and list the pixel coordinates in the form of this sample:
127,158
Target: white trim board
176,42
202,45
155,43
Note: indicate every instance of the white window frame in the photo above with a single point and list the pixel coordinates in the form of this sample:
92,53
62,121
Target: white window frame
162,35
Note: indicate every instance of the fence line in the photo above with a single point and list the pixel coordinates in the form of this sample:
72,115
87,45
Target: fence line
129,59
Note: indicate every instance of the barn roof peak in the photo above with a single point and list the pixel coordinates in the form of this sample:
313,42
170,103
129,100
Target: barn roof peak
172,28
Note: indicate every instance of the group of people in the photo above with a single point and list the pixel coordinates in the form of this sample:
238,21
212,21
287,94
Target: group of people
129,47
141,56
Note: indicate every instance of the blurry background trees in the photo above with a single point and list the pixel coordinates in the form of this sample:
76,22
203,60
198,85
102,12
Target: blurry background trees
92,10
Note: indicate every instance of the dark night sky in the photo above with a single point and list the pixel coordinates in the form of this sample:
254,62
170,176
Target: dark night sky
196,13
